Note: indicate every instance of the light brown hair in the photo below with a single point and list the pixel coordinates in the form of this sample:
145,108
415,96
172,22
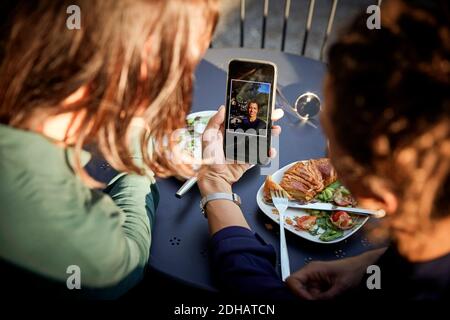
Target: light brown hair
42,62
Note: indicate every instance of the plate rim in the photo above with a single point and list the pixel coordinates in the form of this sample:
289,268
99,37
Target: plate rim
203,113
259,201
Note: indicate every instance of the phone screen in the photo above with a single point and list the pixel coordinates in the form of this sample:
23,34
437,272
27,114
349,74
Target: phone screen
250,93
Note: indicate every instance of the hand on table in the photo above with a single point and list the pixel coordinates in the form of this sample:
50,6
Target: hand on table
217,175
323,280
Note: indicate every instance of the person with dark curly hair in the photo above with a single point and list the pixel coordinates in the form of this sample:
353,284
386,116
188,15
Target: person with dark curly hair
387,118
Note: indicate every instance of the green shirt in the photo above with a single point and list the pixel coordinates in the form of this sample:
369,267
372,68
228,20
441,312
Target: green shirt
50,220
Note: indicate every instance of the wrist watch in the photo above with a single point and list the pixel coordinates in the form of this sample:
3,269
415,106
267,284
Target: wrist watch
219,196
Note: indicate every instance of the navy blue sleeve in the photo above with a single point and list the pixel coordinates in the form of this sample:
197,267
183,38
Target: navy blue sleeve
243,263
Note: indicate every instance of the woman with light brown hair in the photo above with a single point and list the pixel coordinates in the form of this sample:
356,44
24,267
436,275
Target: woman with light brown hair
62,89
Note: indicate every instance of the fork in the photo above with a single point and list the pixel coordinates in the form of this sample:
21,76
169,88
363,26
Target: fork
281,203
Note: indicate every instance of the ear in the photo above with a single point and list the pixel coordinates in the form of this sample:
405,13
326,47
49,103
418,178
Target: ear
381,197
386,201
390,201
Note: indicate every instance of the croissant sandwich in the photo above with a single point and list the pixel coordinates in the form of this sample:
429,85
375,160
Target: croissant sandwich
270,186
304,180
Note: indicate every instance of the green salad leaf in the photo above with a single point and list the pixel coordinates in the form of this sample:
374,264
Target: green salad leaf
323,222
331,234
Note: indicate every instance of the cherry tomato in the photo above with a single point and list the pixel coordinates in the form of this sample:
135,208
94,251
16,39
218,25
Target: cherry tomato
306,222
342,220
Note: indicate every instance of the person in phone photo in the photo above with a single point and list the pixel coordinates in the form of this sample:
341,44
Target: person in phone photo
249,103
252,122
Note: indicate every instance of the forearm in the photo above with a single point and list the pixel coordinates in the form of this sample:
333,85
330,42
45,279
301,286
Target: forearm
371,257
243,264
133,194
221,213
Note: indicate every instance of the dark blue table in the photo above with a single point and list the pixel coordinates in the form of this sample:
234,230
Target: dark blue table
180,237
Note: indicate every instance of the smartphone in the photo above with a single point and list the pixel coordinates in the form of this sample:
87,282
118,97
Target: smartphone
250,99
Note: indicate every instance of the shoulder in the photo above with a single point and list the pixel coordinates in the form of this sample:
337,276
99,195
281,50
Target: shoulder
261,124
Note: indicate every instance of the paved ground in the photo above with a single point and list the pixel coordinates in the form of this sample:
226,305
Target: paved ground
227,33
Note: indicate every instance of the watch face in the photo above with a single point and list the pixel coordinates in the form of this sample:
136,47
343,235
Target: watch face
236,199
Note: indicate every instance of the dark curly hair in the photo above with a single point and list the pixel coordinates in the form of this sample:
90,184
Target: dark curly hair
390,113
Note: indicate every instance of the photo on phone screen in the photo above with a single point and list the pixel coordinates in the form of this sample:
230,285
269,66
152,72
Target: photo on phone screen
249,104
251,86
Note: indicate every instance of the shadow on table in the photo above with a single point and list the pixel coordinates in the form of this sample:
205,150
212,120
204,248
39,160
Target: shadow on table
193,195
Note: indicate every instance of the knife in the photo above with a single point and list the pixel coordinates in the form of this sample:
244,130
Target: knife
186,187
332,207
190,183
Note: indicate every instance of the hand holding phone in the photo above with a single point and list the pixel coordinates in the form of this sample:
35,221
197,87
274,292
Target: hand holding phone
217,174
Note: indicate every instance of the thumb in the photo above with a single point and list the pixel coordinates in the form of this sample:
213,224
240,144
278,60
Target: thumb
217,120
331,293
297,287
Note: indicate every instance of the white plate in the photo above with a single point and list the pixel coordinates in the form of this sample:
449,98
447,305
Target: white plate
207,113
197,148
293,212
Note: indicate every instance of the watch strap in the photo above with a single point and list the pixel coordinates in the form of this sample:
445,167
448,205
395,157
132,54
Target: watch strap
219,196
